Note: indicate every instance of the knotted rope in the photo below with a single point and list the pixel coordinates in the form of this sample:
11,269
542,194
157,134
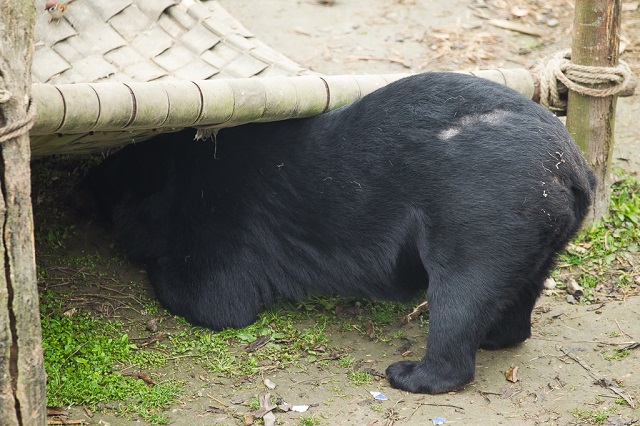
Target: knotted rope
20,126
558,75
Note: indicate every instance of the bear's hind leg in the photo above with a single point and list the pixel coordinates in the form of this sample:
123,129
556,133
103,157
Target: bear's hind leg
462,310
513,327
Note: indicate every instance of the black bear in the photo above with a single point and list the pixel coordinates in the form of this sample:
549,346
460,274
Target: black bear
439,182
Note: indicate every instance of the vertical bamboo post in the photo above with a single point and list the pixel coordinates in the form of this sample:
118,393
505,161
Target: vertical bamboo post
22,378
590,120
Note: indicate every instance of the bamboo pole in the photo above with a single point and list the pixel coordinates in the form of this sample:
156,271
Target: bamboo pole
22,378
591,120
101,107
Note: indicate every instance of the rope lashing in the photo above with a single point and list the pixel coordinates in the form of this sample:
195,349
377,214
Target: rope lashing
20,126
558,75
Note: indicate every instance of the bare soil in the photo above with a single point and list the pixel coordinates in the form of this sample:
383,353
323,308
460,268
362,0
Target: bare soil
390,36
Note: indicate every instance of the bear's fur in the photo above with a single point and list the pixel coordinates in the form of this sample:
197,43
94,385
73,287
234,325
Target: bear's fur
438,183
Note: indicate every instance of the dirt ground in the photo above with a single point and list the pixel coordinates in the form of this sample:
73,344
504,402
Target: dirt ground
390,36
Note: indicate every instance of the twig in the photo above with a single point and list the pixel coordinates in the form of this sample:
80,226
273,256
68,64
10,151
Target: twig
442,405
155,338
142,376
600,379
486,398
217,400
621,330
420,404
630,346
313,379
416,311
508,25
373,58
594,342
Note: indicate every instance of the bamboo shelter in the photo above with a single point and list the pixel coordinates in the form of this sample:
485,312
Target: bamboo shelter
108,73
85,117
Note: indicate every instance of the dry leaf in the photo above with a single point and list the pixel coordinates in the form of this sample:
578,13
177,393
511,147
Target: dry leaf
512,374
371,332
57,411
152,339
259,343
146,378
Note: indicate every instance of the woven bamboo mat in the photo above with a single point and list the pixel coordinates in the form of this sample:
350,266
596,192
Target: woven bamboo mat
143,41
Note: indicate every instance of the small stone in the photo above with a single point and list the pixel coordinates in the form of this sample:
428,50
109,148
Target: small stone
571,299
553,22
549,283
152,325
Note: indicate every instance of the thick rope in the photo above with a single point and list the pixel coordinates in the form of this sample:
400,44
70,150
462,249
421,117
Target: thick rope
18,127
558,75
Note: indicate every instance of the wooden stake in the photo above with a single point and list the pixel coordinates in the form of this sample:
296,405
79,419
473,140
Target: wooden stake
22,378
590,120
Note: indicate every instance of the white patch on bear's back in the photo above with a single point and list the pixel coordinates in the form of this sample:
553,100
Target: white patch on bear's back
449,133
494,118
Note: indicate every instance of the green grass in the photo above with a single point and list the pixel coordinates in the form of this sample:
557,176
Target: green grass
600,251
616,355
55,237
346,362
593,417
309,421
84,357
359,378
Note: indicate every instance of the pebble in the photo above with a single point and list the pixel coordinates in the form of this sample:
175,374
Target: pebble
553,22
549,283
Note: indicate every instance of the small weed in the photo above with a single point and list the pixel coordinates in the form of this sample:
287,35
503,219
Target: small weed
151,307
399,335
616,355
384,313
358,378
377,407
254,403
593,417
536,46
346,362
89,261
55,237
339,392
309,421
